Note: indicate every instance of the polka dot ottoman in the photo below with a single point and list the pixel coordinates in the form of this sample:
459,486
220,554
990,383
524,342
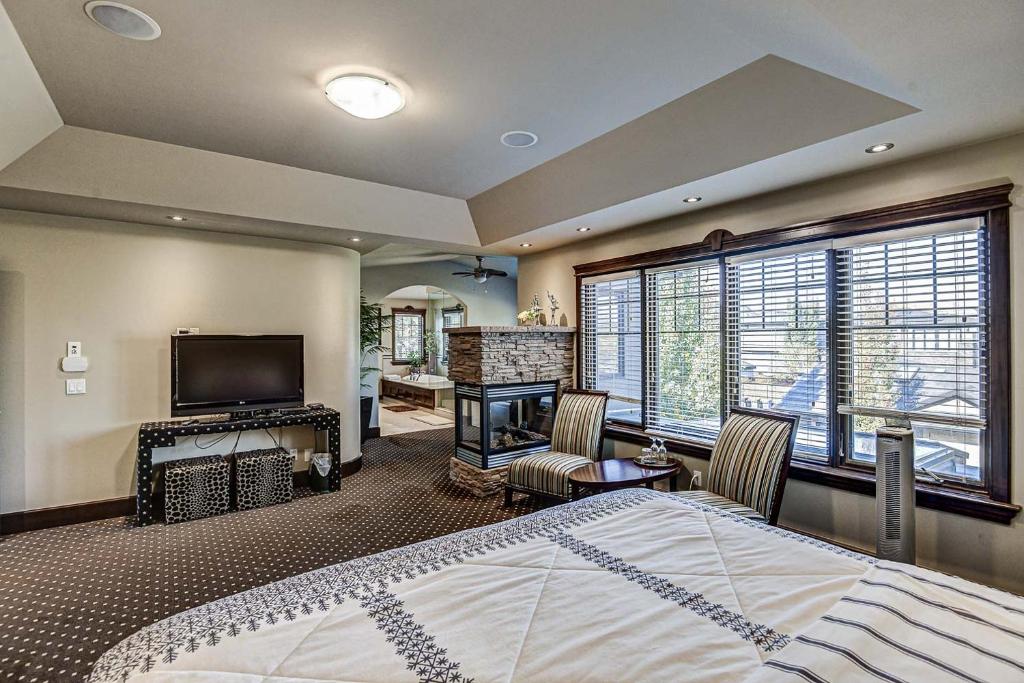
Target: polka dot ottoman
263,478
196,488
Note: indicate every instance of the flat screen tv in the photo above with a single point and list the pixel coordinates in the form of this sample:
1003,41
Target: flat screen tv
218,373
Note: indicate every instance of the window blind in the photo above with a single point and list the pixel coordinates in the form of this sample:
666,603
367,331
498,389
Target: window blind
777,344
684,379
912,344
610,336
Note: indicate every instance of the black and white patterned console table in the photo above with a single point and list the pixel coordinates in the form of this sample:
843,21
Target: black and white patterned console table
163,434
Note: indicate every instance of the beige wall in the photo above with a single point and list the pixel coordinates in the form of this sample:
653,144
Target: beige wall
121,290
983,551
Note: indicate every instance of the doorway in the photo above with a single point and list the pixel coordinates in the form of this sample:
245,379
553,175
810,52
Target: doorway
414,391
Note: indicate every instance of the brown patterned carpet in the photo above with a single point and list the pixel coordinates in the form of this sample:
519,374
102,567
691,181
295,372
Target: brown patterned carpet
69,594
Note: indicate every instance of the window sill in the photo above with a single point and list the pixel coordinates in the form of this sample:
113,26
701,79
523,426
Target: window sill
929,496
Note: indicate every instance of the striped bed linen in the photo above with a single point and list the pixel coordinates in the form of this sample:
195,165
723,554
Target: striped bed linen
905,623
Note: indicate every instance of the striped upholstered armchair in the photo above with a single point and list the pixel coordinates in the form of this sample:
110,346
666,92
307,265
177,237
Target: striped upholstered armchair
576,441
750,463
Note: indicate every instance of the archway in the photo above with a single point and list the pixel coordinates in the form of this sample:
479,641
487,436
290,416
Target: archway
412,386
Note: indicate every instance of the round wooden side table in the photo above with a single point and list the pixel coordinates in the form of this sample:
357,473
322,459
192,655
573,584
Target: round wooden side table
619,473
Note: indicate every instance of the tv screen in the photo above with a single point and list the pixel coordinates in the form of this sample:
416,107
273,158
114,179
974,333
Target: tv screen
224,373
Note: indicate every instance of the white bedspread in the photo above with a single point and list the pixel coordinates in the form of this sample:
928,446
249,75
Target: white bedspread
633,585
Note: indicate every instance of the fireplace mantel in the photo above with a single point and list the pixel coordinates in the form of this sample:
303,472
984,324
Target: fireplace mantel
503,329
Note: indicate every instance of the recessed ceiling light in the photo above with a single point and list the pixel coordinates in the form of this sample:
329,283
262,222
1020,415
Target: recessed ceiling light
366,97
582,229
518,139
355,239
179,219
882,147
526,244
123,20
693,200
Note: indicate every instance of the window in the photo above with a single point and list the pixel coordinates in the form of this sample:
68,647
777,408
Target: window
610,330
912,335
407,335
846,322
684,346
450,317
778,340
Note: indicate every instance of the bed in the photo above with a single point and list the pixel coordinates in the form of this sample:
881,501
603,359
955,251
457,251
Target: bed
633,585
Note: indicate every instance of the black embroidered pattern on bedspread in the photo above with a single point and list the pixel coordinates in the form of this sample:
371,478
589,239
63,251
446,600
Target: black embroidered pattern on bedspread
763,637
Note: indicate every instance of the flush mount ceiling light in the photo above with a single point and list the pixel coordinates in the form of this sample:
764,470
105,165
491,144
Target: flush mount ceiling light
355,239
882,147
366,97
518,139
693,199
123,20
526,244
179,219
582,229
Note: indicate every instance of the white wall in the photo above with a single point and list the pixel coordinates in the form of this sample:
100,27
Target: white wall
121,290
979,550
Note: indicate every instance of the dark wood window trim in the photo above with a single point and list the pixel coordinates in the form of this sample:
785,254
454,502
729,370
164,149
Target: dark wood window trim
990,203
408,310
943,498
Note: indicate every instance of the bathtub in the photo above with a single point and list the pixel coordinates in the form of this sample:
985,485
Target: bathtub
428,391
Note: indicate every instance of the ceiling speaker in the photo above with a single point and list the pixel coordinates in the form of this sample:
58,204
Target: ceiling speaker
123,20
519,138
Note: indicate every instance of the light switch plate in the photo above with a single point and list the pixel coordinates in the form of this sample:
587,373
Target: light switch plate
74,386
74,349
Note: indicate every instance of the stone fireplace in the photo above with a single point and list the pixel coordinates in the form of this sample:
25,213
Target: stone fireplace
507,382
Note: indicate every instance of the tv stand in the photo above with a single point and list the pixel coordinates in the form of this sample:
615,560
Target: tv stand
163,434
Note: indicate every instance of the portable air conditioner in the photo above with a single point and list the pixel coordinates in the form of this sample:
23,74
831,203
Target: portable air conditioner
894,493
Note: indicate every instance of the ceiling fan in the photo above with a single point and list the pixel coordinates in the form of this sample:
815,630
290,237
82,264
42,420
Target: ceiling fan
481,274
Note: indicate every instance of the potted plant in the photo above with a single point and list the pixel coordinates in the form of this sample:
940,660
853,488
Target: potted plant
372,325
415,364
430,348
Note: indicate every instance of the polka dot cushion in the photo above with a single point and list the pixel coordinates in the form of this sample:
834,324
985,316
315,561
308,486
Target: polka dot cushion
263,477
197,488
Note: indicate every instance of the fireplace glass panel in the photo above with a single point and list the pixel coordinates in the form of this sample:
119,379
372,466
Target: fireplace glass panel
521,422
469,417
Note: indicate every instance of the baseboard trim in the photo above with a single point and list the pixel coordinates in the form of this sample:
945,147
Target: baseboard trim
351,467
63,515
45,518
